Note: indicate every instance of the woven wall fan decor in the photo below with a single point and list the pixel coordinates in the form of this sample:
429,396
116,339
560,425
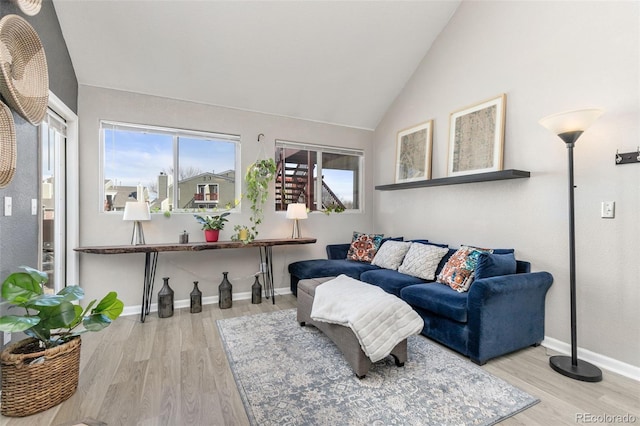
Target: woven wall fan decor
24,78
7,146
29,7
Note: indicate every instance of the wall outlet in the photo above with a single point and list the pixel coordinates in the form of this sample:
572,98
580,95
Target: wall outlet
34,207
608,209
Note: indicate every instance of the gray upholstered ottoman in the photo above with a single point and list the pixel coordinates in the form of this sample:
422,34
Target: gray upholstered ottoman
343,337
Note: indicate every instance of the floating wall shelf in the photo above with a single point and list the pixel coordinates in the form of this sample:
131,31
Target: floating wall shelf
456,180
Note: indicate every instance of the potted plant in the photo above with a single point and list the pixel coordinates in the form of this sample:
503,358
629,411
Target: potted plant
242,233
42,371
212,225
258,177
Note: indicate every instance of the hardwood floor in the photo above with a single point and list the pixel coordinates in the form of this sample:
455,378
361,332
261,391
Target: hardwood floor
173,371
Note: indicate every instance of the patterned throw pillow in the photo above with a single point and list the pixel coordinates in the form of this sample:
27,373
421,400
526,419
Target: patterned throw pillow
422,260
364,247
390,254
459,271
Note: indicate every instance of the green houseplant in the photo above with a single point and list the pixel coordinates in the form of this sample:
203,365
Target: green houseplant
258,177
241,234
42,371
212,224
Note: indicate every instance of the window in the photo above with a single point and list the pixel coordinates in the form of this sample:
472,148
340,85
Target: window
322,177
173,169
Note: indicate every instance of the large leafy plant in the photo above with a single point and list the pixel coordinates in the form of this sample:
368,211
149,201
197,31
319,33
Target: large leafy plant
53,319
258,177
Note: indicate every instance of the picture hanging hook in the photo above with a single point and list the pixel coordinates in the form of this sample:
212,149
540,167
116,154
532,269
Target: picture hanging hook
261,135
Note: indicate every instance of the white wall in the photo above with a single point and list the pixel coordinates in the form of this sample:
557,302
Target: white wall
547,57
124,273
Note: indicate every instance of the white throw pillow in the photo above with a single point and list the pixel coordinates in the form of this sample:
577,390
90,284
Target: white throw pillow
390,254
422,260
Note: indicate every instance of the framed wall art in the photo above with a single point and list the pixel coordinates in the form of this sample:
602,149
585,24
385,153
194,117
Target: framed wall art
476,138
413,153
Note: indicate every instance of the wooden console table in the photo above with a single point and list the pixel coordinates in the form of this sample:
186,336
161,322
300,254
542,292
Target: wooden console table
151,259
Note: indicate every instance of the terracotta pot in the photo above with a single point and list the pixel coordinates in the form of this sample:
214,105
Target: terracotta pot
211,235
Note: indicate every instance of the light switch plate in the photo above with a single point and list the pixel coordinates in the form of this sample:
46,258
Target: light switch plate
608,209
8,205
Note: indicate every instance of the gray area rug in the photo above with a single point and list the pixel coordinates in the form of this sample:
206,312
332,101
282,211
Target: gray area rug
293,375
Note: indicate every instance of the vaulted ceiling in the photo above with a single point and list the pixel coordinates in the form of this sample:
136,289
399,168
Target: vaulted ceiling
341,62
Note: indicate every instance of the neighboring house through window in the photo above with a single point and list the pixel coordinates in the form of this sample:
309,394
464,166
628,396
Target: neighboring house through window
172,169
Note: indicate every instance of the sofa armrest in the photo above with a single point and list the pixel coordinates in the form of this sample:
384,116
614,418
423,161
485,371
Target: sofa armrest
506,313
338,251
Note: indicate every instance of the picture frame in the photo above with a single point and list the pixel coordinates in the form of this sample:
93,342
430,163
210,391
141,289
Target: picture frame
476,138
413,153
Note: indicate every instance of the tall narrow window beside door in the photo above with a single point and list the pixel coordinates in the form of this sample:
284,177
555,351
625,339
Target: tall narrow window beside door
172,169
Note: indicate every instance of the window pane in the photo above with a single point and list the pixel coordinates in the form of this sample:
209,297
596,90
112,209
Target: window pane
293,184
206,173
340,185
133,158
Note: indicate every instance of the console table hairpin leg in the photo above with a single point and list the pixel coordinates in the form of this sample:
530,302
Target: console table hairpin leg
150,263
266,255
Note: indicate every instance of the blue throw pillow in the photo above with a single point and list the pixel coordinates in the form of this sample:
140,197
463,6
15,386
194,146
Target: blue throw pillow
495,264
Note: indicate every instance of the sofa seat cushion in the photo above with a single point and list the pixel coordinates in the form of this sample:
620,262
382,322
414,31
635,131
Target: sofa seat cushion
389,280
437,298
329,268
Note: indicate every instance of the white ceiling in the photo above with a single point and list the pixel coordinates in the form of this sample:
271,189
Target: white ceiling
331,61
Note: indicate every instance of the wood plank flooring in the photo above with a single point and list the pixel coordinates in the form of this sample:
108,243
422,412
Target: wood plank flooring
173,371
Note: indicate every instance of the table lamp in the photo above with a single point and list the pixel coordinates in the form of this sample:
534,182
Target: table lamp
137,212
296,211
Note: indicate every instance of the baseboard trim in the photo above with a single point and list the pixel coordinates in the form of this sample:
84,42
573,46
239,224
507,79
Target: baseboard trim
594,358
210,300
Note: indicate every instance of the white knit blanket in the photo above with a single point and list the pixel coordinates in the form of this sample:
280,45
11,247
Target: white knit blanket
378,319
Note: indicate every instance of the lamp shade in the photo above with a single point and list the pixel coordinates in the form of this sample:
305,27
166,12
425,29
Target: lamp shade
134,210
296,211
577,120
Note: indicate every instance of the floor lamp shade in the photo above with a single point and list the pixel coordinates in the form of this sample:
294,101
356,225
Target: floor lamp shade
296,211
569,126
136,212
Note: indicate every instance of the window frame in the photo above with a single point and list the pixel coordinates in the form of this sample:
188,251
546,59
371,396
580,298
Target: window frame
322,149
176,134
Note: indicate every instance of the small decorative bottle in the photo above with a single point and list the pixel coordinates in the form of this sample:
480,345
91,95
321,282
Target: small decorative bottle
224,293
165,300
196,299
256,291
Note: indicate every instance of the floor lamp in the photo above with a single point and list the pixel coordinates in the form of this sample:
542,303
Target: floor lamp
569,126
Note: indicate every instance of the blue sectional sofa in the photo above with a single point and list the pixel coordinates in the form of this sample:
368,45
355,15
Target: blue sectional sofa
498,315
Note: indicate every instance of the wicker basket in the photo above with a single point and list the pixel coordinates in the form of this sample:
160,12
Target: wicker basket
7,146
24,78
28,389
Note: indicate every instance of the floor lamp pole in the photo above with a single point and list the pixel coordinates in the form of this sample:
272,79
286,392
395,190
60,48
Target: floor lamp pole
572,366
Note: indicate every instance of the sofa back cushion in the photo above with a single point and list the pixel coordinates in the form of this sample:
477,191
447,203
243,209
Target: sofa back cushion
494,264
